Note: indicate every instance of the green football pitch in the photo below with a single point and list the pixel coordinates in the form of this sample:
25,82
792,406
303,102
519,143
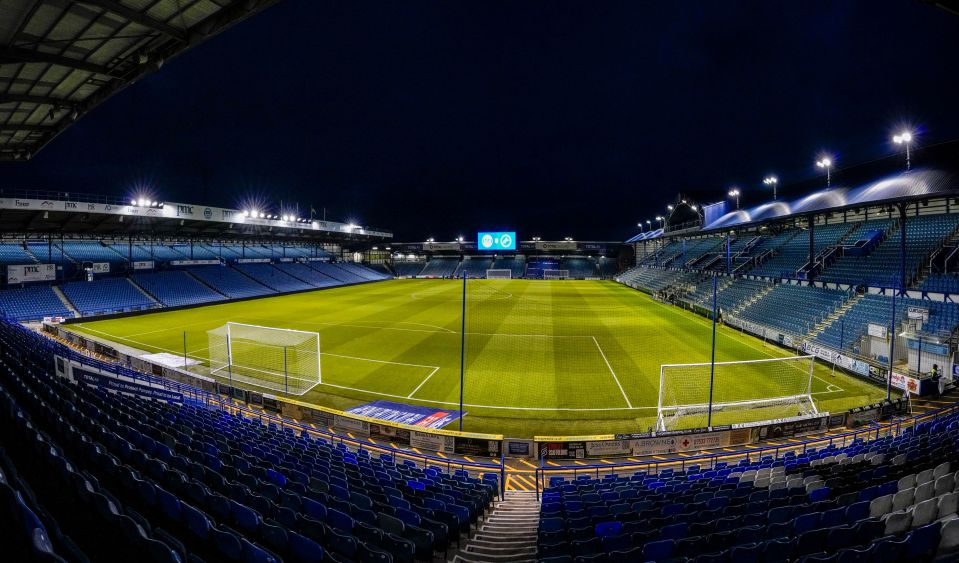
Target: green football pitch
539,357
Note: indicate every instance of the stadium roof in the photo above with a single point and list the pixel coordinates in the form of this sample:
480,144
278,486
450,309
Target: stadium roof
914,185
60,59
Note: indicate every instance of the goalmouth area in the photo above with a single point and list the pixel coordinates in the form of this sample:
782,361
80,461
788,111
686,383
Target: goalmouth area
552,357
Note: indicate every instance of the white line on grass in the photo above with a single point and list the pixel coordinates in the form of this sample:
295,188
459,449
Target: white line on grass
696,317
377,361
422,383
377,393
488,406
616,379
443,331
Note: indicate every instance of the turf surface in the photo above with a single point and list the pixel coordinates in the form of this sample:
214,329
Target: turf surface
541,357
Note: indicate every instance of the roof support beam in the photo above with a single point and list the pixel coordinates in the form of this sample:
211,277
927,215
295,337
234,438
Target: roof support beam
27,127
15,55
30,99
139,17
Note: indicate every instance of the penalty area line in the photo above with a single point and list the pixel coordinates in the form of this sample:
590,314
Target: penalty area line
422,383
616,379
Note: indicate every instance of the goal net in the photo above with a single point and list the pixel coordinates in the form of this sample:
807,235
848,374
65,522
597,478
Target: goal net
283,360
499,274
555,274
746,391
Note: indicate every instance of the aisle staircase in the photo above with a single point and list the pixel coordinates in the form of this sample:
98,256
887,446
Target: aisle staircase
507,534
749,301
840,311
63,299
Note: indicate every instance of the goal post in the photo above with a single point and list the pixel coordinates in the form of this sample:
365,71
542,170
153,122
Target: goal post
283,360
555,274
498,274
743,391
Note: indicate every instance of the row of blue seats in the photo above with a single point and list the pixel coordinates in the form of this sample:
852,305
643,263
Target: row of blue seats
226,487
831,510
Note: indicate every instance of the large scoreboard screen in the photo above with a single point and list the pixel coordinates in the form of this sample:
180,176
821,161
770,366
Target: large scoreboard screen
496,240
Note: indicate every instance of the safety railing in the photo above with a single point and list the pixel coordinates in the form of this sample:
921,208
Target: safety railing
873,432
215,400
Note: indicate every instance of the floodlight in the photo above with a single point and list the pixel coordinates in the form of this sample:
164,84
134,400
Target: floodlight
826,163
133,202
905,138
669,207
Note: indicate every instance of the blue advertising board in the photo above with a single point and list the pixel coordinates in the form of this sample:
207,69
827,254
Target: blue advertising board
412,415
115,384
499,240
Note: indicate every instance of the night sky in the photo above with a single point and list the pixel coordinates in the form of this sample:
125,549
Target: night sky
552,118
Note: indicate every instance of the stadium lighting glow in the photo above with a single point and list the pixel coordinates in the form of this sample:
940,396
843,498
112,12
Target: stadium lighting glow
431,239
459,238
826,163
904,138
133,202
669,207
734,192
771,181
694,208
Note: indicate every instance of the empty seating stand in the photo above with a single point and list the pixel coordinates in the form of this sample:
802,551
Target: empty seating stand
229,282
104,296
32,303
308,275
890,499
515,264
274,278
440,267
132,478
474,267
175,288
408,268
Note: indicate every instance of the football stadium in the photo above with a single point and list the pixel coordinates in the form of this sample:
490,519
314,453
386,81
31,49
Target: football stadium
199,368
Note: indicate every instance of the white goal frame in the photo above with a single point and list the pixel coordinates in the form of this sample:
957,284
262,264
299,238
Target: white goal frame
803,400
260,377
499,274
555,274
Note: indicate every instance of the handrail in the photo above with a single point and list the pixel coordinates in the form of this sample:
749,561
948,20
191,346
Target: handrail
894,427
215,400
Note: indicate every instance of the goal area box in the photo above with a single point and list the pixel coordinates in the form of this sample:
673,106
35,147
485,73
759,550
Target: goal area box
499,274
743,391
555,274
282,360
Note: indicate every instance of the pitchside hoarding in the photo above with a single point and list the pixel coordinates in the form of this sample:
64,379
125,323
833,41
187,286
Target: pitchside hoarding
410,415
